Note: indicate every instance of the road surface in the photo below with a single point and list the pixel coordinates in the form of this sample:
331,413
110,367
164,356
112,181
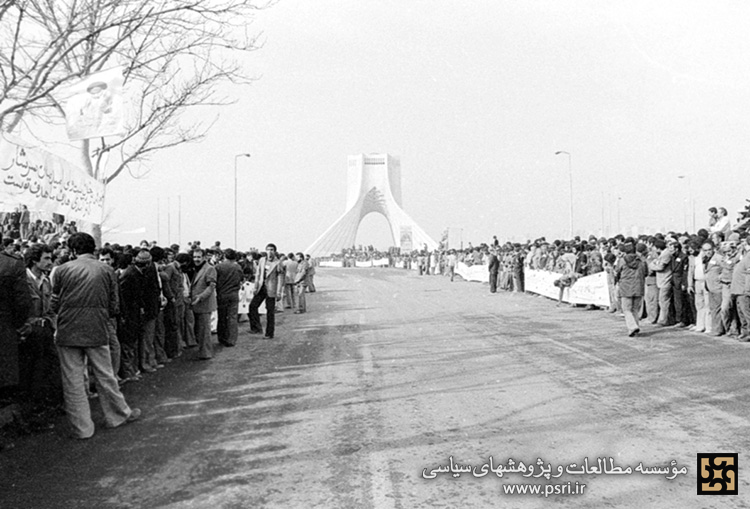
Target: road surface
386,378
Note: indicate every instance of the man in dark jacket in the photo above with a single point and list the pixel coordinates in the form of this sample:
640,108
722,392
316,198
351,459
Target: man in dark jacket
494,268
630,275
228,282
15,305
84,295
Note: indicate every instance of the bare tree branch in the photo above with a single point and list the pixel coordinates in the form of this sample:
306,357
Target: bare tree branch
176,54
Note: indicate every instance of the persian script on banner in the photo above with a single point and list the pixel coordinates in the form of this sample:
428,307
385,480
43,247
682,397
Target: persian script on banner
94,107
47,183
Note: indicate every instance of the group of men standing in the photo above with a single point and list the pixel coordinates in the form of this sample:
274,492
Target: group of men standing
126,312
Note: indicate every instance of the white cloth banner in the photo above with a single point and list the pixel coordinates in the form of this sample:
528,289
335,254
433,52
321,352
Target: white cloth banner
586,290
383,262
45,182
331,263
95,106
591,289
478,273
246,295
543,283
367,263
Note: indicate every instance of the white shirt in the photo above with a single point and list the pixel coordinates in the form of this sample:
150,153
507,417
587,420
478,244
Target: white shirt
722,224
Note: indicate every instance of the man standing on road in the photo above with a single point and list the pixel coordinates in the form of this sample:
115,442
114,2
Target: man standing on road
40,367
269,287
203,302
84,295
228,282
290,267
662,267
300,283
494,267
452,261
630,274
310,274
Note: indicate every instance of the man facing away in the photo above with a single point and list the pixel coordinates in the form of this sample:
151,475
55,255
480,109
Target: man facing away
269,287
84,295
290,267
228,282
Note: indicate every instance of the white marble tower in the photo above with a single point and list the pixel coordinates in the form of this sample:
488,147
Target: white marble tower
373,185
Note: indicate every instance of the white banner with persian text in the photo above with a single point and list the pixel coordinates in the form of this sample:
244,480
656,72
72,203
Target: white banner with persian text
44,182
591,289
331,263
478,273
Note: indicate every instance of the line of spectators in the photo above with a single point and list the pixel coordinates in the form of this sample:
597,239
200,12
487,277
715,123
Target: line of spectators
78,322
698,281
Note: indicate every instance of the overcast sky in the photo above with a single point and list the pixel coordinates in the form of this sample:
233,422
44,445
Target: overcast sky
474,98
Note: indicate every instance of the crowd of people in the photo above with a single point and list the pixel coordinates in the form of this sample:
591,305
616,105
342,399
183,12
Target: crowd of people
699,281
77,322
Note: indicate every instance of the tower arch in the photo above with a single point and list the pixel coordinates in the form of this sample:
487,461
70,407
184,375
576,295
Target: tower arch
373,185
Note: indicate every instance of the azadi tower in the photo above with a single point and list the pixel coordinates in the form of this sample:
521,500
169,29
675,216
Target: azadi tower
373,185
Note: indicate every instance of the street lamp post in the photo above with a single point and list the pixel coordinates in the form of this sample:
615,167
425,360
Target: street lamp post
570,171
690,195
235,195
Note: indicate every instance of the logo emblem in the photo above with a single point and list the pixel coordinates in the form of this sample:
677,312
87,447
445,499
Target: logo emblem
717,474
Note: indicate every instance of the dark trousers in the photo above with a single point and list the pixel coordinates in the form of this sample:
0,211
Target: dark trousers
714,305
680,304
493,282
517,280
129,332
226,328
39,366
172,329
743,306
258,299
203,335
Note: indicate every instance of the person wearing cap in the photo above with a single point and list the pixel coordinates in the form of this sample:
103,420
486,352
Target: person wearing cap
152,294
132,311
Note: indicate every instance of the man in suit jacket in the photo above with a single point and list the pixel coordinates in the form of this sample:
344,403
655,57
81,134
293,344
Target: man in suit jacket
132,310
269,287
203,302
228,283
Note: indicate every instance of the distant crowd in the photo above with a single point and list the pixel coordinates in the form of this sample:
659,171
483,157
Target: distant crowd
699,281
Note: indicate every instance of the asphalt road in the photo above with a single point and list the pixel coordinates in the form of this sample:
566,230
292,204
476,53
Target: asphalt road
387,376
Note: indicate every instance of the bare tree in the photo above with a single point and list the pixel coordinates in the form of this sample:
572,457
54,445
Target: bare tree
176,54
